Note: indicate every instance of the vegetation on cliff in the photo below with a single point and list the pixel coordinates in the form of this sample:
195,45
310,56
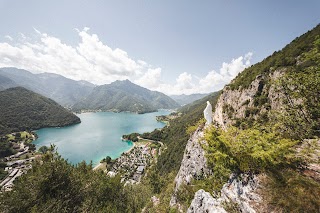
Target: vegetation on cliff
289,56
271,141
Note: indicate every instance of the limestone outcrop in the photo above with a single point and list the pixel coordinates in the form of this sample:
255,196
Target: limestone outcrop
242,103
204,202
240,191
194,163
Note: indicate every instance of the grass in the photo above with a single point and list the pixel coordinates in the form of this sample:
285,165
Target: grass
142,142
291,191
102,166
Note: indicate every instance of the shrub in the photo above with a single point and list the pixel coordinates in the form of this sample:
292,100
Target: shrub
249,150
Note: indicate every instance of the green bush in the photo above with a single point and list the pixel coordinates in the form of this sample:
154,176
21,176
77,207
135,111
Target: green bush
249,150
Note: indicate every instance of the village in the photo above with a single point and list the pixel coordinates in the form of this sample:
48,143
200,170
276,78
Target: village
132,165
19,163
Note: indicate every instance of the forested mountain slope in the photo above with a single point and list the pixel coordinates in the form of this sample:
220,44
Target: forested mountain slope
263,121
125,96
22,109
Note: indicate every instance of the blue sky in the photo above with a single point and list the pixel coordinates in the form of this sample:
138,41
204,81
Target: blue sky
171,46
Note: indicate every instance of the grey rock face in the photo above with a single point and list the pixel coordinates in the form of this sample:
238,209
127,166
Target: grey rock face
235,99
193,163
240,190
204,202
238,101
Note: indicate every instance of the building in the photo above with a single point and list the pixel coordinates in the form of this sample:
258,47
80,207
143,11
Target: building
140,169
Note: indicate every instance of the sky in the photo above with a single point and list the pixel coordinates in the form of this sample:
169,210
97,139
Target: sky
172,46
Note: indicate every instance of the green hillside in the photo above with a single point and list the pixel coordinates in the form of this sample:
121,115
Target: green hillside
122,96
176,135
295,56
299,66
21,109
54,185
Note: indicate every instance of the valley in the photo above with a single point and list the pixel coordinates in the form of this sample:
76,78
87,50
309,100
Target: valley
134,115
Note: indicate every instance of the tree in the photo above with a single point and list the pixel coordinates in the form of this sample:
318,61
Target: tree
43,149
108,159
18,135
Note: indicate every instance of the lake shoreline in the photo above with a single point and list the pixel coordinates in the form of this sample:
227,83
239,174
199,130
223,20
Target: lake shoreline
98,135
101,164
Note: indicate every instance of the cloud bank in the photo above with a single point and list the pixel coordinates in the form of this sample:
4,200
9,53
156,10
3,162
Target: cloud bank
96,62
188,84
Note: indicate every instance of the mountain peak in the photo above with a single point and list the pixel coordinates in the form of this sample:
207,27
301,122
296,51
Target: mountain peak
125,96
122,82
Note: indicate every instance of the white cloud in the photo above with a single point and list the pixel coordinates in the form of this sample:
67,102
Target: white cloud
90,60
184,81
150,79
9,37
188,84
94,61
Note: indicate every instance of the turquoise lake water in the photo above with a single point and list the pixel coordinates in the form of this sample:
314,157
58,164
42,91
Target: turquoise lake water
98,135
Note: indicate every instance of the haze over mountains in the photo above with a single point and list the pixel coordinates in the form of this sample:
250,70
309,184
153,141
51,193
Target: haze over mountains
63,90
187,99
82,95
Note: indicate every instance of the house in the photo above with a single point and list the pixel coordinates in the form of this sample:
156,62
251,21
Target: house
140,169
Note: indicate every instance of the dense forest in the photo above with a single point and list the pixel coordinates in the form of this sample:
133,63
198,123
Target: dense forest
21,109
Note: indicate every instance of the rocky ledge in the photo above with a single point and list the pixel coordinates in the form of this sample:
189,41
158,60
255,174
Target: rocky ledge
194,163
240,192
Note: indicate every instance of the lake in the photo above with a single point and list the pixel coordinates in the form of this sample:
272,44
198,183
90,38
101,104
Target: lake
98,135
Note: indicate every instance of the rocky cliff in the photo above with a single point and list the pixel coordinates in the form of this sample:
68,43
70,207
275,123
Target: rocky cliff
261,96
276,97
239,194
193,164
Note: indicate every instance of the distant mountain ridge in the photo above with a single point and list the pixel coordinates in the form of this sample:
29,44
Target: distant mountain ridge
125,96
22,109
187,99
6,83
82,95
61,89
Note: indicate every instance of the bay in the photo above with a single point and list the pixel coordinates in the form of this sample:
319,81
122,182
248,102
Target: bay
98,135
